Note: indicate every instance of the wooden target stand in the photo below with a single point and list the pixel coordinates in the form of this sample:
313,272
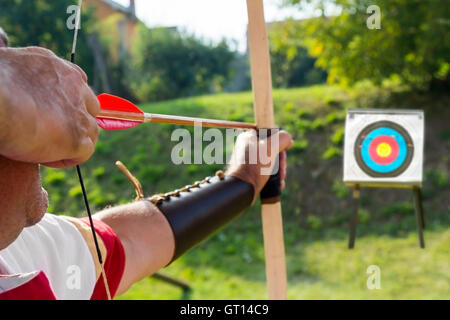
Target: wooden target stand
418,210
384,148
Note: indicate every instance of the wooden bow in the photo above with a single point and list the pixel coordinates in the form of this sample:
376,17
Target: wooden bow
264,115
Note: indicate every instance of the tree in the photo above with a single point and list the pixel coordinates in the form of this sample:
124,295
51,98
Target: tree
43,23
413,43
168,64
292,65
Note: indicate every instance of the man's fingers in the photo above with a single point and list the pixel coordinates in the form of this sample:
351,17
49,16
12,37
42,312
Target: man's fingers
283,165
60,164
38,50
48,53
91,101
88,148
93,130
79,70
93,108
285,141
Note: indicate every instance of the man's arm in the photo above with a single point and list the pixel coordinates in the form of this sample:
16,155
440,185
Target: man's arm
149,240
146,237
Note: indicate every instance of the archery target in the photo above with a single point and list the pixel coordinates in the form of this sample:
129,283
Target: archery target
383,148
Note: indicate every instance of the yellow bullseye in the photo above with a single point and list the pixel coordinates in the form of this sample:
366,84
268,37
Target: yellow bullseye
384,150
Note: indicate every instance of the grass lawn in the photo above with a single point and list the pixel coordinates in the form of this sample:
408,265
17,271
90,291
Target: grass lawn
321,269
316,205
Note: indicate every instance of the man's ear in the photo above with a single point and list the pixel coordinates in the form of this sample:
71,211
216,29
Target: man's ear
3,38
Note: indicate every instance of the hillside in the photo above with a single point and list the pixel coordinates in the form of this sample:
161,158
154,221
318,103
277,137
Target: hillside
316,204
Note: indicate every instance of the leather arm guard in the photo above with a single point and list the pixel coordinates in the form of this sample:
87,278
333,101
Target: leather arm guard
196,211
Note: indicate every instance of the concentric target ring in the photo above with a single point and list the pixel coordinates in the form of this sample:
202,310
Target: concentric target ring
384,149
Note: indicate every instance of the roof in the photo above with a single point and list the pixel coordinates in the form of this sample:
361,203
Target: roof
119,7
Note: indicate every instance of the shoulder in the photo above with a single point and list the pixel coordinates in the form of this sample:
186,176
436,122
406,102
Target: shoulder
55,247
62,248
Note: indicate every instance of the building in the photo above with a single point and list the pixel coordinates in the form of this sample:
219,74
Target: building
126,22
116,22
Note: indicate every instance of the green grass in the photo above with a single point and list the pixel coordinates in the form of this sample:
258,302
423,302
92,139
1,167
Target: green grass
320,269
316,205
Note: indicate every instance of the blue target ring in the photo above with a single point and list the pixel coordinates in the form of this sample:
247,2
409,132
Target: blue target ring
384,149
380,167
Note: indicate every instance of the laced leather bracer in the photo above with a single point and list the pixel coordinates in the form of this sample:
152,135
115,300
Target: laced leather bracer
196,211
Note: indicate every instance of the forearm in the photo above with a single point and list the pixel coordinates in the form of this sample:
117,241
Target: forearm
146,237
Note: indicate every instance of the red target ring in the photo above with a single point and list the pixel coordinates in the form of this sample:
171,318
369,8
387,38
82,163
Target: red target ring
383,149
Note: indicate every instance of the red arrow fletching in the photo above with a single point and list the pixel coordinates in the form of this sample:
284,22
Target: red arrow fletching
111,104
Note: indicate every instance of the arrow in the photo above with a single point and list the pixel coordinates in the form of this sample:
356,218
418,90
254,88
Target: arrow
117,113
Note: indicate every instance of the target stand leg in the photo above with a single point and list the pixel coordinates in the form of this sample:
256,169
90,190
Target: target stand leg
422,216
354,218
420,219
186,288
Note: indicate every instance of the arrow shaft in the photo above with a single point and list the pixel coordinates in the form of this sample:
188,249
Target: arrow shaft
170,119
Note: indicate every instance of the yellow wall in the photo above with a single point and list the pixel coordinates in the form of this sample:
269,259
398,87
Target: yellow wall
104,11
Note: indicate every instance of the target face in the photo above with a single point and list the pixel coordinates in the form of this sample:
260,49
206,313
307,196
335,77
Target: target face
384,149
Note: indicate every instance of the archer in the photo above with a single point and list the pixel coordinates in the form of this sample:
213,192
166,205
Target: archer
47,117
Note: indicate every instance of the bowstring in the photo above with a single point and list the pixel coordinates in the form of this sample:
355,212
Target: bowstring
80,176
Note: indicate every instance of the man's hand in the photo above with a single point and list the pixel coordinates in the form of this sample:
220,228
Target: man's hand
241,166
47,110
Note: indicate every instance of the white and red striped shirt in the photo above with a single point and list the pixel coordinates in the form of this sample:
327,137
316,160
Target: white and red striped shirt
57,259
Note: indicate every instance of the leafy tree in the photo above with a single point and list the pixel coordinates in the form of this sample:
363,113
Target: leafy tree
43,23
168,64
292,66
413,43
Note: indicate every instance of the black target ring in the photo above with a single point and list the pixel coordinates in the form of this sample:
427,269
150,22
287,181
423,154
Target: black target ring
384,149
